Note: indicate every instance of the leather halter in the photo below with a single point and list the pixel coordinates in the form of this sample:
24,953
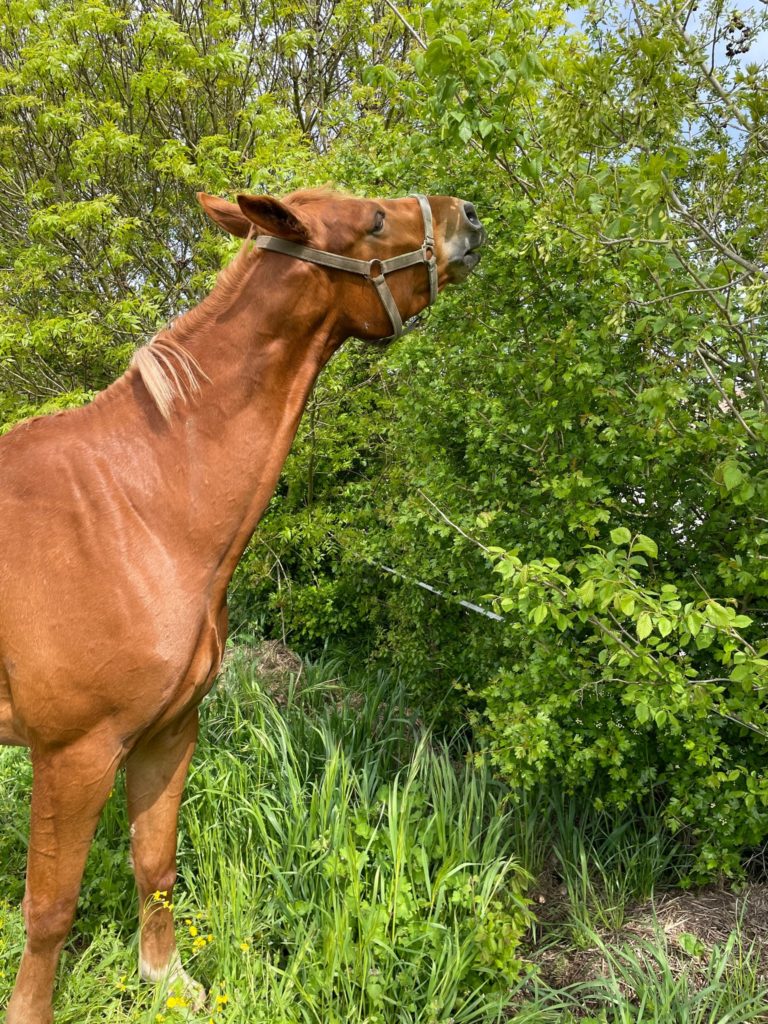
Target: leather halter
374,270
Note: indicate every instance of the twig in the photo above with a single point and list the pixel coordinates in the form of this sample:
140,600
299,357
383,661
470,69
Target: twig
458,529
677,204
714,83
740,721
407,24
725,397
703,290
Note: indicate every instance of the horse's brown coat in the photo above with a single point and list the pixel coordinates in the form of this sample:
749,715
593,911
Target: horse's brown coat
120,528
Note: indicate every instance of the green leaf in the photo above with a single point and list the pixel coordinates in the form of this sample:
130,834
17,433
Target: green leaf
645,544
644,625
732,475
539,614
627,603
694,622
719,615
621,535
691,944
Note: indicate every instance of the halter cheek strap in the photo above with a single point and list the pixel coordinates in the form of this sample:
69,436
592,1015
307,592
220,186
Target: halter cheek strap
374,270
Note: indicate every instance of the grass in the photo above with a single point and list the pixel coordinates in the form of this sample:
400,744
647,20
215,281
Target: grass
338,863
645,982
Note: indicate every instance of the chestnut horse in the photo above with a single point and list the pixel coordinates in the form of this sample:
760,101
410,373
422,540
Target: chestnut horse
122,522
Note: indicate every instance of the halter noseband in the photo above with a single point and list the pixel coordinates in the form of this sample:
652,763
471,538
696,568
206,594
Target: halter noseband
374,270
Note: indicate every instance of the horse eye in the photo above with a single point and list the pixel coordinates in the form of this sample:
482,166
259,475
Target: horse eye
379,222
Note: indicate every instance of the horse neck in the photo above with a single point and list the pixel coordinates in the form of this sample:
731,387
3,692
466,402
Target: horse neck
221,453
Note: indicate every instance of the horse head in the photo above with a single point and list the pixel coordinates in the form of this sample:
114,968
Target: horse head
385,259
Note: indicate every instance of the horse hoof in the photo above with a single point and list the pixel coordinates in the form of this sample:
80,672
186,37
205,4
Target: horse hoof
189,992
183,990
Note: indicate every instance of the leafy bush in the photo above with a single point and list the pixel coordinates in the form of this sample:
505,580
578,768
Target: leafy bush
603,371
599,383
652,692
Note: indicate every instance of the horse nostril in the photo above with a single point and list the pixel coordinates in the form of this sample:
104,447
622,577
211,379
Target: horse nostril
471,215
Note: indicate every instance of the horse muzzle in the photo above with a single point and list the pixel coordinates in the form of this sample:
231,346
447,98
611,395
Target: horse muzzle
469,238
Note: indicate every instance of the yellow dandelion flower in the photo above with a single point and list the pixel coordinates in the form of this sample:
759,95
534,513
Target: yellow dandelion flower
192,931
222,1000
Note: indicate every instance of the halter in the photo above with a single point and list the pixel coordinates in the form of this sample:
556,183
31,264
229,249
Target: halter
374,270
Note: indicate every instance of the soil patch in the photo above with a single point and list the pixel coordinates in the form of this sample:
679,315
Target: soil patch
691,923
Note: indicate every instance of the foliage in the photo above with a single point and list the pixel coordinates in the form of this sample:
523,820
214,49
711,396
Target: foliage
112,116
587,415
382,894
660,686
590,411
644,985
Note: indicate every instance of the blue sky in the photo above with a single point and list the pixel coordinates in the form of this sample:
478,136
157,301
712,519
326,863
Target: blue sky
758,52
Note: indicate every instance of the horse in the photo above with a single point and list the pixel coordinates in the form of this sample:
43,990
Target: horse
121,524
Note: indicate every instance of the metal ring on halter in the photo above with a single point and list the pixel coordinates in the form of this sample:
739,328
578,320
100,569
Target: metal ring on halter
335,261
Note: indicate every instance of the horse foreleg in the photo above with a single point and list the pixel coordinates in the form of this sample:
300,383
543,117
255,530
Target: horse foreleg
70,786
155,774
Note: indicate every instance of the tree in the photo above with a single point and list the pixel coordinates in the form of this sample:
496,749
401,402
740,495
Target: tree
112,116
587,416
593,414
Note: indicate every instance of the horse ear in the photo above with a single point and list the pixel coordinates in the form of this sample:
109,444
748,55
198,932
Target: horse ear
226,215
273,217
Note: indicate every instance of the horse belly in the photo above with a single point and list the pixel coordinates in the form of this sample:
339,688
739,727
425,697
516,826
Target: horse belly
100,624
80,661
97,665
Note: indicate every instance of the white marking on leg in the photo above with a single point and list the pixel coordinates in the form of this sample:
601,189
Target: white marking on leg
171,974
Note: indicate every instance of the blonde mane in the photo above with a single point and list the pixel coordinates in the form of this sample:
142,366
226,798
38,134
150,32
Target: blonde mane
167,368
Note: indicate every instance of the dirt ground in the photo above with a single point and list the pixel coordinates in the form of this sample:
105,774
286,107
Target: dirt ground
691,922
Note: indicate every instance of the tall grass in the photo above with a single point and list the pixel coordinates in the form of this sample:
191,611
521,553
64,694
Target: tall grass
337,864
608,864
341,864
645,983
359,883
